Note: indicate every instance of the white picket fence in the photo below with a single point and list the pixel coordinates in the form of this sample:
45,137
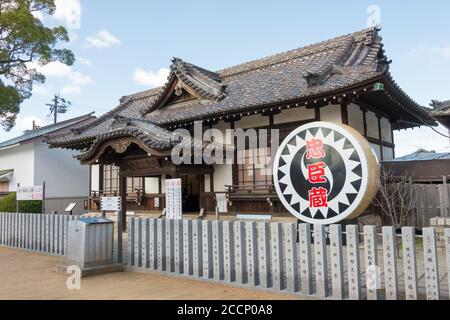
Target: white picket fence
296,258
45,233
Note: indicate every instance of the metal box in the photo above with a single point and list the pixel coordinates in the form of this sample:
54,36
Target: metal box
90,242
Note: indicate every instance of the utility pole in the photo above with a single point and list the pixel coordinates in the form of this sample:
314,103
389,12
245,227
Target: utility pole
58,105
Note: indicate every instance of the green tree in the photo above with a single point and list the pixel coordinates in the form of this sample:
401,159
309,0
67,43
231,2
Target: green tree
24,39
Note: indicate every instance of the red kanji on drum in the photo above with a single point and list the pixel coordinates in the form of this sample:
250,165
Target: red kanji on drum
316,172
314,149
318,198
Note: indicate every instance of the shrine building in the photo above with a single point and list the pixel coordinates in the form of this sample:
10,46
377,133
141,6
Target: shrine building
345,80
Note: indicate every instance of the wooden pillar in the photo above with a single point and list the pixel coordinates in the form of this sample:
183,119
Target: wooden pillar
317,113
123,196
344,112
380,137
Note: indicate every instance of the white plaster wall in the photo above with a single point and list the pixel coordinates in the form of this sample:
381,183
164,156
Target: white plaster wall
372,124
386,130
151,185
355,117
331,113
293,115
223,175
21,159
253,121
388,153
163,183
63,174
377,150
95,183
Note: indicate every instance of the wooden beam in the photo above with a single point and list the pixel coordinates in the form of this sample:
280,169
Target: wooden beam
317,113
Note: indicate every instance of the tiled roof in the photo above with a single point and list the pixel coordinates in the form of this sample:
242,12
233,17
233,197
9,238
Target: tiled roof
440,108
423,155
47,130
325,67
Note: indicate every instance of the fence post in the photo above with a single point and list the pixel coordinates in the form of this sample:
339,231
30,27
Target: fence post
197,248
187,247
371,259
207,249
337,265
137,242
228,251
390,263
169,245
145,242
250,253
320,248
239,250
263,254
430,264
353,260
290,247
178,243
447,254
304,235
276,239
410,263
218,249
161,244
153,248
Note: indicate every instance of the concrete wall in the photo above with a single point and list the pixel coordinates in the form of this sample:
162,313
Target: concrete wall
21,159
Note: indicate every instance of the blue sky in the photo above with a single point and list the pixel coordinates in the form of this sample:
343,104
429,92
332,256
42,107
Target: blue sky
123,47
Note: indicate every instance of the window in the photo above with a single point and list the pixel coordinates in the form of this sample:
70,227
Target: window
110,179
134,183
253,167
4,186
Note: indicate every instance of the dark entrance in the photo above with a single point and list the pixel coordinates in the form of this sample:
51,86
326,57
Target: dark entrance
191,192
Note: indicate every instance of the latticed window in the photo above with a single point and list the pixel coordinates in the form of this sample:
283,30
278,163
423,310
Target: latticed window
110,178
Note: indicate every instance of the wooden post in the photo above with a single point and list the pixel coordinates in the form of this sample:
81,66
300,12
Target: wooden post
123,195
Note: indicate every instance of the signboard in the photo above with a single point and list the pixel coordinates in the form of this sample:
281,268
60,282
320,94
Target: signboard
70,207
156,202
221,199
110,203
173,199
325,173
30,193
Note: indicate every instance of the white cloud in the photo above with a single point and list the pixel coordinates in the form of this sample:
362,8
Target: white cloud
60,70
70,89
84,61
69,11
439,52
103,39
41,90
151,78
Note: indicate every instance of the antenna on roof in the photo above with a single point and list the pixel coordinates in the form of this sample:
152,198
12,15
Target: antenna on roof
58,105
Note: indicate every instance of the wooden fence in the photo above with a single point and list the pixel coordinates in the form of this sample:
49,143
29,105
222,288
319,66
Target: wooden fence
45,233
300,259
431,200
